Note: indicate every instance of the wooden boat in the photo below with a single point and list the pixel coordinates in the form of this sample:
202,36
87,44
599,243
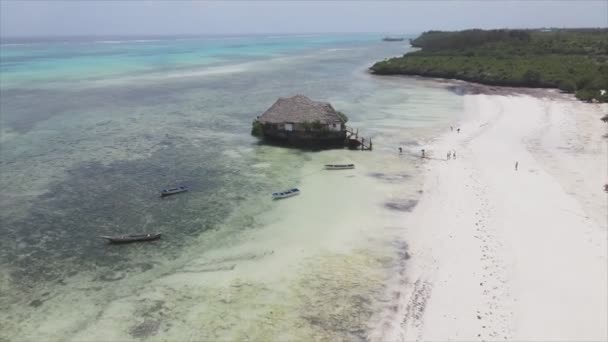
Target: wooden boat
339,166
393,39
285,194
173,191
131,237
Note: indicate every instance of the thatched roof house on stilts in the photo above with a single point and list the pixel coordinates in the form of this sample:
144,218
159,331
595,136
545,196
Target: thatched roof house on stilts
300,121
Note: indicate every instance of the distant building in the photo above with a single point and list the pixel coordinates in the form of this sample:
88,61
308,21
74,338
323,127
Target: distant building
300,121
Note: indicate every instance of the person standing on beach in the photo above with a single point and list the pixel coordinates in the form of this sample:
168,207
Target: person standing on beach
516,165
400,150
449,154
452,128
458,130
422,153
454,154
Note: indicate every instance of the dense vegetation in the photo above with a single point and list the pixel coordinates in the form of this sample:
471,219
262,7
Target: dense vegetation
573,60
257,130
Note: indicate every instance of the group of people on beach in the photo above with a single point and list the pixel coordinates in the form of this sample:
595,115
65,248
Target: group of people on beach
451,154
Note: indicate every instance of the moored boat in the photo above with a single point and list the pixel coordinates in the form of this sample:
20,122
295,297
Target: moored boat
173,191
339,166
126,238
285,194
393,39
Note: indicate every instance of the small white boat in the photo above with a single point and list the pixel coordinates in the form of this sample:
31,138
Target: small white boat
285,194
339,166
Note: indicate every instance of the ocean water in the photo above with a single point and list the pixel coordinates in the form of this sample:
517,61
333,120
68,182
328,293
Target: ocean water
92,129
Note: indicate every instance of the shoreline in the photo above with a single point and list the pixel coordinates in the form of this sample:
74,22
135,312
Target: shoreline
490,245
464,87
510,57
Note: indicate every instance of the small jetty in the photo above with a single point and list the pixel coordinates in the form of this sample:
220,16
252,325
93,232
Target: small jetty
356,142
128,238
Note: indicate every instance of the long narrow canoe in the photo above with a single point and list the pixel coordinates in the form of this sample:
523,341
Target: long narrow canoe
173,191
131,237
339,166
285,194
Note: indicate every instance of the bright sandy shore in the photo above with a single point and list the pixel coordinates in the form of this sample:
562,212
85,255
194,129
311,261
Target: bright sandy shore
500,254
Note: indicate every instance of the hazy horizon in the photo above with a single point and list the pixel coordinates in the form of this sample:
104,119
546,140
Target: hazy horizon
244,34
184,18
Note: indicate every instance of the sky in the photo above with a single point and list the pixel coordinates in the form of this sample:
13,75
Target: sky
85,18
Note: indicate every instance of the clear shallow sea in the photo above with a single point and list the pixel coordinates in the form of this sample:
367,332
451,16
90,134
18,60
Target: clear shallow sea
92,128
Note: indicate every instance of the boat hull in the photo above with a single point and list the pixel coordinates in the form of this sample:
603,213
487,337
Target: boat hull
339,166
286,194
175,191
132,238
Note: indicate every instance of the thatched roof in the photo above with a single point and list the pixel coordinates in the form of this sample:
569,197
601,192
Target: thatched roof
299,109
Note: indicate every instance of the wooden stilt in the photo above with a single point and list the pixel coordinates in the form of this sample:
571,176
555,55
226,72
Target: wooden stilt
353,141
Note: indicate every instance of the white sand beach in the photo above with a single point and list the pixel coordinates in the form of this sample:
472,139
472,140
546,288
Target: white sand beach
505,254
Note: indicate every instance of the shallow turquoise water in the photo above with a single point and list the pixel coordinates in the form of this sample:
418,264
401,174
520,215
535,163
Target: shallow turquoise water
80,59
92,129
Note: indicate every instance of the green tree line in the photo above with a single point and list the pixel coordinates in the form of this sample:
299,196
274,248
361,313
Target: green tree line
573,60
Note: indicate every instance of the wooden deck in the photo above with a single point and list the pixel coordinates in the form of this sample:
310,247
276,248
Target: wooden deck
355,142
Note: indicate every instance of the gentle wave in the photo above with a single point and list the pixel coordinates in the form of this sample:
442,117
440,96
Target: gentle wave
17,44
340,49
